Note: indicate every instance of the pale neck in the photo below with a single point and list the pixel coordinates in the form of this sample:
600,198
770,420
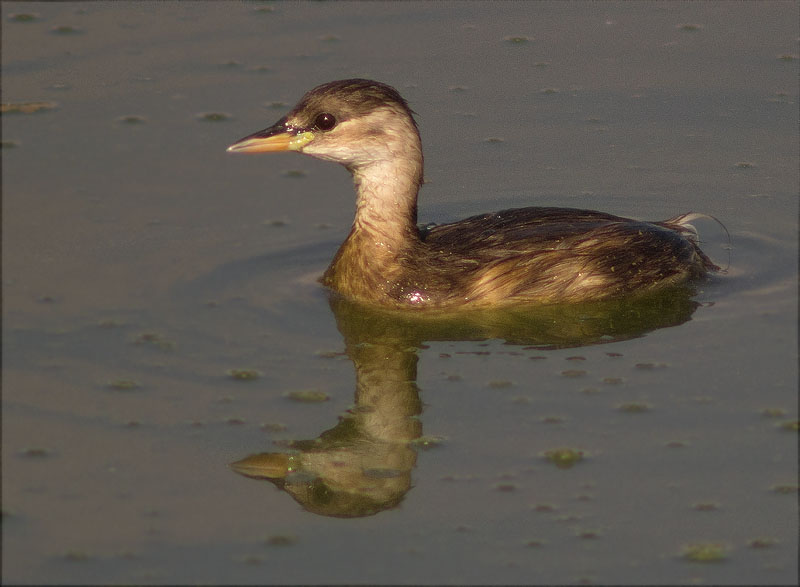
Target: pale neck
386,204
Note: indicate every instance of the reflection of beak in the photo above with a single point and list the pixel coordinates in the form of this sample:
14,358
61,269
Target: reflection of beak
265,465
279,137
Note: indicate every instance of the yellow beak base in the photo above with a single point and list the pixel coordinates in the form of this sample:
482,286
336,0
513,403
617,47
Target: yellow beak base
265,142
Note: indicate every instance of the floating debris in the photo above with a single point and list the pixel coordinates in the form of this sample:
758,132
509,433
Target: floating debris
613,380
27,107
280,540
427,442
156,340
762,542
676,444
273,427
214,116
786,489
500,384
35,453
505,487
773,412
517,40
650,366
76,556
308,396
124,384
634,408
132,119
243,374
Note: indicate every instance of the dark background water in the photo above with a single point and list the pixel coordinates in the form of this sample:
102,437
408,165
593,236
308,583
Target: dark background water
136,250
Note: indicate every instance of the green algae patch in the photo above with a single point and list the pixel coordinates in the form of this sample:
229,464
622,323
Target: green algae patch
564,458
243,374
24,17
280,540
786,489
517,40
634,408
124,384
705,552
27,107
65,29
773,412
308,396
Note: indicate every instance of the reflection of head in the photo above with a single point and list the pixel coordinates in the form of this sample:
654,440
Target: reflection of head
345,482
363,465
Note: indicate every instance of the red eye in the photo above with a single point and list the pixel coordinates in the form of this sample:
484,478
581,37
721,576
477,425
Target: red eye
324,121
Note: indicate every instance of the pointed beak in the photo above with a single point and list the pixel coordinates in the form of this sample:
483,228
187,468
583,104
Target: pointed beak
279,137
264,466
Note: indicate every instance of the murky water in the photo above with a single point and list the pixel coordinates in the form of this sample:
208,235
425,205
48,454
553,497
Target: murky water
162,320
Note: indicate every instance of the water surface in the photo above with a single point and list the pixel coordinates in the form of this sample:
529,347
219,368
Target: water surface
143,266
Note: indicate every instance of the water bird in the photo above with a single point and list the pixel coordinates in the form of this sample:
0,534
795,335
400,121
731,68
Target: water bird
533,255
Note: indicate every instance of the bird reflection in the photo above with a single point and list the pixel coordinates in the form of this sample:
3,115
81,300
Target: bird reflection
362,466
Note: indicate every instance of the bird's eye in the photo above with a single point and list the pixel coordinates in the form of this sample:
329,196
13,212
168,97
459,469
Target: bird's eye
324,121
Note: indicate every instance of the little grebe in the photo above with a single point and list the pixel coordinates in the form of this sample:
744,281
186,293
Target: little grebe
524,255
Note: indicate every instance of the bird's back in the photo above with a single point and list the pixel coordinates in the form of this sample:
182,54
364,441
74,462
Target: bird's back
556,254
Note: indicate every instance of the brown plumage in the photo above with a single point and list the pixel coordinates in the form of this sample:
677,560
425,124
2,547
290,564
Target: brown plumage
525,255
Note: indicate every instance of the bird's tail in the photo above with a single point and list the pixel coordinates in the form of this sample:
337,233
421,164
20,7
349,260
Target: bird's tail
682,224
